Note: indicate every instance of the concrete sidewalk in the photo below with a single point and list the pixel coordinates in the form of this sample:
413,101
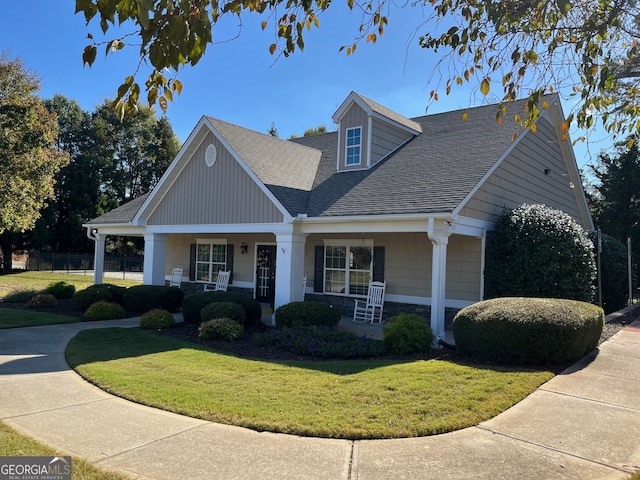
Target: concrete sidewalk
583,424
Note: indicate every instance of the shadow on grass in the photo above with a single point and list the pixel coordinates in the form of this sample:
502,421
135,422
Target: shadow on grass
116,343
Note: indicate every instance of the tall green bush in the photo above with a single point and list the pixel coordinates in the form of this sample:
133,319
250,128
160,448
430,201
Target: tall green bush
614,276
537,251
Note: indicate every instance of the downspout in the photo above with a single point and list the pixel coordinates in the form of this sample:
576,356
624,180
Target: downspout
91,235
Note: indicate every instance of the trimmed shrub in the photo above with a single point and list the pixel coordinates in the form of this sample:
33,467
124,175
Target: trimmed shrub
321,342
528,330
83,299
193,305
221,329
537,251
408,333
157,318
19,296
104,310
42,300
297,314
60,289
142,298
231,310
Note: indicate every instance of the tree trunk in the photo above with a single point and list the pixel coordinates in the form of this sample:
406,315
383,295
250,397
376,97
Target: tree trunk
6,245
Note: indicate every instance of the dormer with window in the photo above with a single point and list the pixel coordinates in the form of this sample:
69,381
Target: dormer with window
369,132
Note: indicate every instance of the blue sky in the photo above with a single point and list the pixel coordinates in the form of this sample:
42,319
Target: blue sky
238,80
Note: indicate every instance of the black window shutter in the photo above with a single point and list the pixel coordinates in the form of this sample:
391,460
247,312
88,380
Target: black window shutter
318,272
378,264
229,265
192,262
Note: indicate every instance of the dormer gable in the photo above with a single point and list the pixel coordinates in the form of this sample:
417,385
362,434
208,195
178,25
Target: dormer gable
369,132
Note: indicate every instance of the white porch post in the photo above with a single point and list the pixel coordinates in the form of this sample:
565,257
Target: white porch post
155,258
289,268
439,239
98,257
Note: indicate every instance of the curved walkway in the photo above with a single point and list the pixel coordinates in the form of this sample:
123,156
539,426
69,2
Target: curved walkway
582,424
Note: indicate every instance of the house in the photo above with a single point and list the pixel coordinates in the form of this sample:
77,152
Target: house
386,197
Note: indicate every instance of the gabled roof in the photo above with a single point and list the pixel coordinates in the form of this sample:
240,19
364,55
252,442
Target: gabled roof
376,110
432,173
287,169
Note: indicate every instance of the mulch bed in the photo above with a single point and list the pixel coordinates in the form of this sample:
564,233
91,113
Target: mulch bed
245,348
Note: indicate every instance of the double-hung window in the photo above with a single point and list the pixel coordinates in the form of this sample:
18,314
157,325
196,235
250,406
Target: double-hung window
211,257
348,268
354,143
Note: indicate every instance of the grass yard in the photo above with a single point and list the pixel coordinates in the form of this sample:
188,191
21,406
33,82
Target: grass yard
10,318
40,280
356,399
13,443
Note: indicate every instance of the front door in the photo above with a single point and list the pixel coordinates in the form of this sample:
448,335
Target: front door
266,274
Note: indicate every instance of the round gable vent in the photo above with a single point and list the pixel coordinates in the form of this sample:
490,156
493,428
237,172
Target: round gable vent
210,155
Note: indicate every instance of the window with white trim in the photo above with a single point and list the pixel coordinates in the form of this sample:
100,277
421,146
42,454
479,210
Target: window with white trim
354,143
348,268
211,257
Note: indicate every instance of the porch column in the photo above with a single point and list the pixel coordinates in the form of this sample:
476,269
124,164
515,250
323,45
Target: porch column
439,236
289,268
98,257
155,258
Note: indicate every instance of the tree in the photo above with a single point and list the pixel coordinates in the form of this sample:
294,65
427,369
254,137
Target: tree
134,151
523,47
309,132
29,160
537,251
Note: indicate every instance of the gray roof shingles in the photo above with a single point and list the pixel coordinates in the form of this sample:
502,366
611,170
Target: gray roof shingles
432,173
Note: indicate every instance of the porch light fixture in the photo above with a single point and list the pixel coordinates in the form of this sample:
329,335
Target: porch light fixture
244,248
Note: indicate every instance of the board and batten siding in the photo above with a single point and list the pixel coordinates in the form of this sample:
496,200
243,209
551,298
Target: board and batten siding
221,194
521,178
353,117
385,139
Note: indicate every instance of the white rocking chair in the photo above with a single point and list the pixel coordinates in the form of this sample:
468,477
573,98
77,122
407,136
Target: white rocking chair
221,283
370,311
176,277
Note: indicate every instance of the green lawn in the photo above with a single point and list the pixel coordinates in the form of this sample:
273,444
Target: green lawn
40,280
10,318
13,443
354,399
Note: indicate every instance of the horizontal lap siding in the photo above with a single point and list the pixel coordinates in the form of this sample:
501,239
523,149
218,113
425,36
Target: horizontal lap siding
464,268
520,178
222,194
385,139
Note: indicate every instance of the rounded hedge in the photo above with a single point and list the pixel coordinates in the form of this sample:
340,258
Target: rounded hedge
408,333
83,299
298,314
157,318
537,251
520,330
221,329
142,298
193,305
42,300
104,310
231,310
60,289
